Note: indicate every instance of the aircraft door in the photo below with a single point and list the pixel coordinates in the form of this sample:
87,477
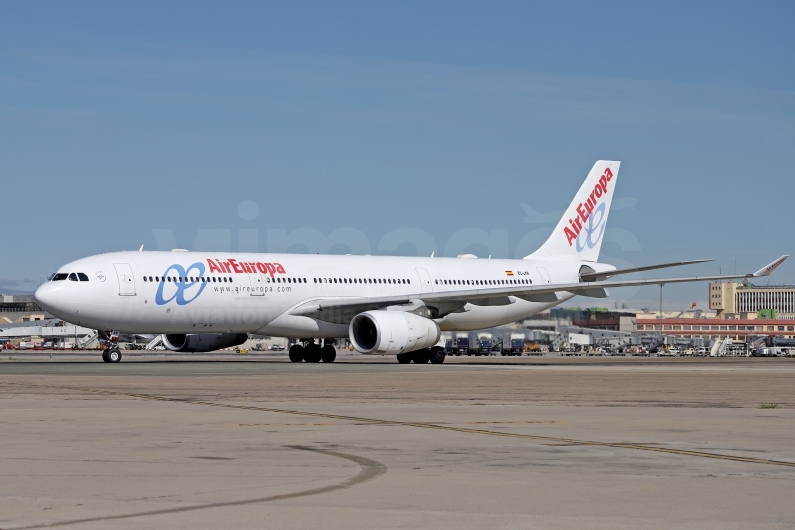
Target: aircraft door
126,280
425,281
257,284
544,275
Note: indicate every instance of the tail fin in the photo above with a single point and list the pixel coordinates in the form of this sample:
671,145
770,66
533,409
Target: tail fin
578,235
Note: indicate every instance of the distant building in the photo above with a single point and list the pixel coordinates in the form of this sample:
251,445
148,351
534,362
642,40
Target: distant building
20,308
723,328
747,301
596,318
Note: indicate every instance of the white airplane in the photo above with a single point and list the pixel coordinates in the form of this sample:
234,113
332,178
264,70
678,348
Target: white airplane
203,301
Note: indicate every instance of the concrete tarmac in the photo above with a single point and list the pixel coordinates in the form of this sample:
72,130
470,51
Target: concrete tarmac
164,442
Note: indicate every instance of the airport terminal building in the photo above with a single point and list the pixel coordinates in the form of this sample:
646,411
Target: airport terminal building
20,308
744,300
709,328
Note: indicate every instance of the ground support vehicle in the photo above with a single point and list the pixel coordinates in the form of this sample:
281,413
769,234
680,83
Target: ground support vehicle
461,346
516,345
485,343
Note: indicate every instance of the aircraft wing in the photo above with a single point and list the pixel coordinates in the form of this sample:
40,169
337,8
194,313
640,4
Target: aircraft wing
592,276
342,310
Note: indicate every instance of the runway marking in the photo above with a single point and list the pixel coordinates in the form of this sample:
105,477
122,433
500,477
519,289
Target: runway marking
520,422
421,425
283,424
370,469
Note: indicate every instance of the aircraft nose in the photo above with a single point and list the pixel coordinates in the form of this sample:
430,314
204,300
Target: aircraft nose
47,295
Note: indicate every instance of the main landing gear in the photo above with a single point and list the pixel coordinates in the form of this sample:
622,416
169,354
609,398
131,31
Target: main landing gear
312,353
435,355
112,354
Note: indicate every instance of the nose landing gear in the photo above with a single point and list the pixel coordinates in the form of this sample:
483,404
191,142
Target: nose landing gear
112,354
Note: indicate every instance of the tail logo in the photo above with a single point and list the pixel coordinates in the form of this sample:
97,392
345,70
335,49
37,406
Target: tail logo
594,229
591,214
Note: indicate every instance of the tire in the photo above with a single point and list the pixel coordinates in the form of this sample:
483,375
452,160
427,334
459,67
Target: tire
296,353
421,356
328,353
312,353
404,358
114,355
105,356
437,355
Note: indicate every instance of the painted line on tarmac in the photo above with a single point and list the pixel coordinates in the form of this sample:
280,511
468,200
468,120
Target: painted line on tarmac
420,425
370,469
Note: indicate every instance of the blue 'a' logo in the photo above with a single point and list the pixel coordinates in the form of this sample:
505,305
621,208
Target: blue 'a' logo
179,287
593,230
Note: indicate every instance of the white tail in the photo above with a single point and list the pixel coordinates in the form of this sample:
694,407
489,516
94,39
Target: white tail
578,235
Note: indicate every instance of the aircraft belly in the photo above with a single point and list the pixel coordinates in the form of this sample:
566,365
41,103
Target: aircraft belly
303,327
140,314
481,317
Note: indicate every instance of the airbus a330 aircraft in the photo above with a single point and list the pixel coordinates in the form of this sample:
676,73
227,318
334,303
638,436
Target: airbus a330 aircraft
204,301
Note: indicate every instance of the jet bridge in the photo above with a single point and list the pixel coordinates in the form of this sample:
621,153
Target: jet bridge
46,329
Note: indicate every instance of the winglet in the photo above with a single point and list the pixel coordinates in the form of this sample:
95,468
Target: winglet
768,269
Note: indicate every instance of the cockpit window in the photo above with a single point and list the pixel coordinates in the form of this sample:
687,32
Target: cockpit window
59,276
82,276
73,277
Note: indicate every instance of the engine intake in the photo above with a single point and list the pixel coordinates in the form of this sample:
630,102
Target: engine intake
203,342
392,332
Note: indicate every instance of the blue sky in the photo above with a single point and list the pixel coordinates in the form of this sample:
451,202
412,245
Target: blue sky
393,127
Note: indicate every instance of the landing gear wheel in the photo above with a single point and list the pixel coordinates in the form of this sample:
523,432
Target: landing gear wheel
437,355
312,353
420,356
404,358
328,353
113,355
296,353
105,356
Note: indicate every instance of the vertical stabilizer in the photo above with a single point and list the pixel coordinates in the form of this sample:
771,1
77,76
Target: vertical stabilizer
578,235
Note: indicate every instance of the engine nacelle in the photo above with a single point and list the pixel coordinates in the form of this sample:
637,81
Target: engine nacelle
392,332
201,342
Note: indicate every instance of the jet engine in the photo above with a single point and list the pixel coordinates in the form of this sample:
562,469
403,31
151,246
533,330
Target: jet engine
392,332
201,342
